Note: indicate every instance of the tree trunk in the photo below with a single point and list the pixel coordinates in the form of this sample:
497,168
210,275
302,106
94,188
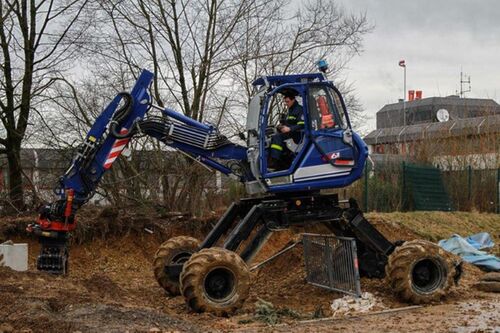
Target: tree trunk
16,190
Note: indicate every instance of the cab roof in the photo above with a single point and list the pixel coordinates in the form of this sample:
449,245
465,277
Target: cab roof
277,80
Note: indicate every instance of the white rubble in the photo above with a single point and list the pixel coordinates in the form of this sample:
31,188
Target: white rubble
352,304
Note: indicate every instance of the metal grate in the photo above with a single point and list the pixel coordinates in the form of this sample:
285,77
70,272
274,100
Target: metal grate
332,263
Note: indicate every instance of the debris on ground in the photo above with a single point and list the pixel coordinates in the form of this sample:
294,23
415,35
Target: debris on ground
470,250
481,241
490,282
6,328
267,313
349,305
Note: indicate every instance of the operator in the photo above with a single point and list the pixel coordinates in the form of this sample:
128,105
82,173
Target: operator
291,126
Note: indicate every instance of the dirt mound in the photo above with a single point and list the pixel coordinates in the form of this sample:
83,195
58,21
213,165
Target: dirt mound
102,286
283,283
14,226
114,294
97,223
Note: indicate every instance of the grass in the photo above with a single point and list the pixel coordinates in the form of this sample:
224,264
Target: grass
434,226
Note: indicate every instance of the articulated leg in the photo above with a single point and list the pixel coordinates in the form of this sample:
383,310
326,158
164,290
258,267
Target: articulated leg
373,247
256,243
244,228
172,270
222,225
370,236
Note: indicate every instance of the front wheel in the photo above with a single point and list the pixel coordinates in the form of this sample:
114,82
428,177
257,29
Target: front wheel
421,272
215,280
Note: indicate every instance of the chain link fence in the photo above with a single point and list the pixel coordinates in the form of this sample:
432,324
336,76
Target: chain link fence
387,188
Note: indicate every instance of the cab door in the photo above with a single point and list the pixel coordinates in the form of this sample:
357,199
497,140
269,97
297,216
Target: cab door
273,111
332,152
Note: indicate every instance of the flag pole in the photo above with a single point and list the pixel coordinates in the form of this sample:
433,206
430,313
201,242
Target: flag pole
402,63
404,97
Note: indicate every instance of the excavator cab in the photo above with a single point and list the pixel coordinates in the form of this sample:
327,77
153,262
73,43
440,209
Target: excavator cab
328,154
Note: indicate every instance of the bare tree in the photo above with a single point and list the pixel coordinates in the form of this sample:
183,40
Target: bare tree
36,39
184,43
287,41
205,55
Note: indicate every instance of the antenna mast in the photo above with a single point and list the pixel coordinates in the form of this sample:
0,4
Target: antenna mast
462,81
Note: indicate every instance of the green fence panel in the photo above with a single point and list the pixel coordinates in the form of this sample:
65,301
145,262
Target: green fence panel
424,185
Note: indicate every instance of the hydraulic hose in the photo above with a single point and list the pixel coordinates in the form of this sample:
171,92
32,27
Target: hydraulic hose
120,115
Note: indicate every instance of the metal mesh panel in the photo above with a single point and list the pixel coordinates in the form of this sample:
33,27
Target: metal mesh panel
425,184
331,262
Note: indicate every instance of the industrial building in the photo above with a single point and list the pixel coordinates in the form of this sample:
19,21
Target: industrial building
451,132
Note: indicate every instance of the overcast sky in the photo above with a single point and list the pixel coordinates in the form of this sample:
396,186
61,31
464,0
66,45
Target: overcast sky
436,38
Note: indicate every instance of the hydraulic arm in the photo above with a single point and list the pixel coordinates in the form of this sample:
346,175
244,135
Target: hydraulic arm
124,118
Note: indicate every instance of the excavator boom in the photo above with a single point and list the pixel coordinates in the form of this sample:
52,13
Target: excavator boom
124,118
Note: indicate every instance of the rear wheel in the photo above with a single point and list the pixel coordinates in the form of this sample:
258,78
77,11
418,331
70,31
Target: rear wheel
421,272
215,280
176,250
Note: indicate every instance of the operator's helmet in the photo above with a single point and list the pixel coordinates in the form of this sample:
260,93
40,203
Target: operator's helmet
289,92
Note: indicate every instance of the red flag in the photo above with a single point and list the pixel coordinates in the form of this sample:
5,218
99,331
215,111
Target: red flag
402,63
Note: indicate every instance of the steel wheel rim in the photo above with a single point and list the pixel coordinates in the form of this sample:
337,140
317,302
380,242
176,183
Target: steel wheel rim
427,275
220,284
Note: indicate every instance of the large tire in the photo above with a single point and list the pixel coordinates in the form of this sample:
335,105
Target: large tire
492,276
176,250
215,280
421,272
489,286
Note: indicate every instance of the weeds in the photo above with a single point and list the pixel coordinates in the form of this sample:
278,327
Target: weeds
267,313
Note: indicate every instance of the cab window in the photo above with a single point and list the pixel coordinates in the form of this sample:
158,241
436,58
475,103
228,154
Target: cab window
277,109
325,108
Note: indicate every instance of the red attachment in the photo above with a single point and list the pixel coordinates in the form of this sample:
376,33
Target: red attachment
47,225
418,94
69,222
326,115
70,194
44,224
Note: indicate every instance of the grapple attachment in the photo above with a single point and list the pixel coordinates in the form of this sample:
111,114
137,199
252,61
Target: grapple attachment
52,227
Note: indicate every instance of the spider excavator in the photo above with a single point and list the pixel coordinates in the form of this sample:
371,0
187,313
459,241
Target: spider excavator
213,275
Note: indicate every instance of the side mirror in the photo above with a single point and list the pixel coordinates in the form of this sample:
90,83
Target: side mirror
347,137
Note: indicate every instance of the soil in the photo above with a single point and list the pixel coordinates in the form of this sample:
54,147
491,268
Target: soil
111,287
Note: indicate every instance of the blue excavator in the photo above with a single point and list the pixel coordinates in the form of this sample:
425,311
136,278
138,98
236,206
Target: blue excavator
213,274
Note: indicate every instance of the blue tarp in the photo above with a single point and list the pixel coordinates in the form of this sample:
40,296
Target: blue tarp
470,250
